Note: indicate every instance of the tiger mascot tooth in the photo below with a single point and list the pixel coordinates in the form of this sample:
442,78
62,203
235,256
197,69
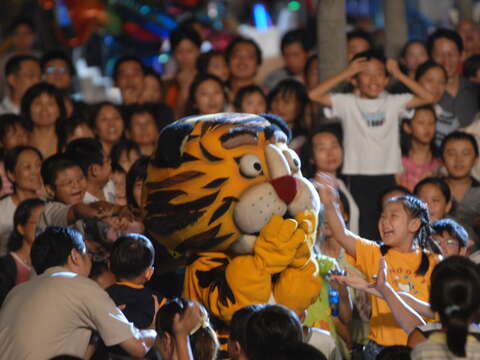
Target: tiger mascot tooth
226,192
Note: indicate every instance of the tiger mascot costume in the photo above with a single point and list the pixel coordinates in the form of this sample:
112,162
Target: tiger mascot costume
226,192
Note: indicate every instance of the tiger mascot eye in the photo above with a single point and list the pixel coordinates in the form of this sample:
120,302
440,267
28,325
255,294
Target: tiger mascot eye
225,191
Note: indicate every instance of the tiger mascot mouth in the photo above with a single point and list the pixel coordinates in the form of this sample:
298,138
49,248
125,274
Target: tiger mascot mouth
216,180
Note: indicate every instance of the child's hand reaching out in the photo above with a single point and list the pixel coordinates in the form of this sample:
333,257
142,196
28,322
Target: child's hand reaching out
393,68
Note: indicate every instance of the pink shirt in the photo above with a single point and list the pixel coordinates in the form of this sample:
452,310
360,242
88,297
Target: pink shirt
413,173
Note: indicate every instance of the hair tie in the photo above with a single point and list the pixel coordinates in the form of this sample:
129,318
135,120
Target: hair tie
450,309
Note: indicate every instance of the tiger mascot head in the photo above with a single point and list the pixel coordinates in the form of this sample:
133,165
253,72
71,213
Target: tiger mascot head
216,180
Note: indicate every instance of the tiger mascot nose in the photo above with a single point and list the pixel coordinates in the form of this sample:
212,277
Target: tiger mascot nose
286,188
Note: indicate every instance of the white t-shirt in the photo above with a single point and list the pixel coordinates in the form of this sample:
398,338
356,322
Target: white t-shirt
108,191
7,210
371,132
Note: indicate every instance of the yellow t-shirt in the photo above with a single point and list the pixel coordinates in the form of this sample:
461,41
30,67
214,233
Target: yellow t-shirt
384,330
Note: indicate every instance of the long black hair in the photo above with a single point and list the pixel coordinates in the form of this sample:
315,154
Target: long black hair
21,216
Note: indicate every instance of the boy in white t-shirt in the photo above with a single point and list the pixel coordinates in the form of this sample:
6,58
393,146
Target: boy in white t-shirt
370,121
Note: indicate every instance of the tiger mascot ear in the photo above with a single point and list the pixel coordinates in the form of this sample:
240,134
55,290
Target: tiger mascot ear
169,152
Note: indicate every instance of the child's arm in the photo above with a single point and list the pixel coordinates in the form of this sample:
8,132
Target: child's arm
422,96
320,93
96,210
329,198
422,307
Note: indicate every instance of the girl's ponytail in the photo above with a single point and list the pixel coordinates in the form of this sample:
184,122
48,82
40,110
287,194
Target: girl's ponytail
457,331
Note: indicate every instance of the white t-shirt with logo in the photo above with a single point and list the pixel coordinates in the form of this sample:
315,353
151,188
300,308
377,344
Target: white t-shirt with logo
371,132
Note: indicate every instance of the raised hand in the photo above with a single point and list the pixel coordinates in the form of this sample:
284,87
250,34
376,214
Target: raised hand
392,67
357,65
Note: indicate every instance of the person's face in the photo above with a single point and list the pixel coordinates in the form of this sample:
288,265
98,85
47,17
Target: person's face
130,79
415,55
105,170
434,81
26,175
109,124
44,110
327,152
254,103
466,29
152,92
218,67
70,185
28,74
445,52
209,98
23,38
312,75
143,129
137,191
28,229
186,54
81,131
422,127
295,58
355,46
243,61
16,135
395,225
57,73
459,158
449,245
119,181
286,107
438,205
127,159
372,81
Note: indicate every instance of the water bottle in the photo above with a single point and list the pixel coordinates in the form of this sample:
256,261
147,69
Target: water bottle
334,300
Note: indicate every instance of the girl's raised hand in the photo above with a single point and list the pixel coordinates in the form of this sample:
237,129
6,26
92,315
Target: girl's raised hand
327,187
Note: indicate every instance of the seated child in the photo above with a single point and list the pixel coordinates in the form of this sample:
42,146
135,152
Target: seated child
450,236
96,166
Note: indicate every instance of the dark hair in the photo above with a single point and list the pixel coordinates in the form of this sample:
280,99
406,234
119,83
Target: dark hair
97,108
416,209
20,21
184,33
199,80
71,125
406,139
53,246
427,65
21,216
309,62
148,71
131,255
124,59
286,88
371,54
360,34
459,135
471,66
238,324
53,165
455,295
138,171
295,36
33,93
8,122
242,40
85,152
12,155
297,350
243,92
15,62
165,315
409,43
395,352
204,60
120,147
437,181
388,189
453,229
57,55
270,329
205,344
444,34
130,110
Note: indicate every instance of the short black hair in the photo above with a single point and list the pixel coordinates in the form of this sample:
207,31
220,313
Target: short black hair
443,33
20,217
129,110
124,59
185,32
53,165
243,40
438,182
452,228
238,324
85,152
97,108
295,36
245,91
395,352
371,54
427,65
471,66
165,315
15,62
204,59
20,21
12,155
121,146
60,55
131,255
7,122
197,81
360,34
138,171
459,135
53,246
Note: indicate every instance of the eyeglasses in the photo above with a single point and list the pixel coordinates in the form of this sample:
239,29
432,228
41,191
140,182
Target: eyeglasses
56,69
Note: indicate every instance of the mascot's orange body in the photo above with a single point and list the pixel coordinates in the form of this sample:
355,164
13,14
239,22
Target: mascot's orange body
225,191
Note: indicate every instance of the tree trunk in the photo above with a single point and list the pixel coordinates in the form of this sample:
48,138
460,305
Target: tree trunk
465,9
395,27
331,37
